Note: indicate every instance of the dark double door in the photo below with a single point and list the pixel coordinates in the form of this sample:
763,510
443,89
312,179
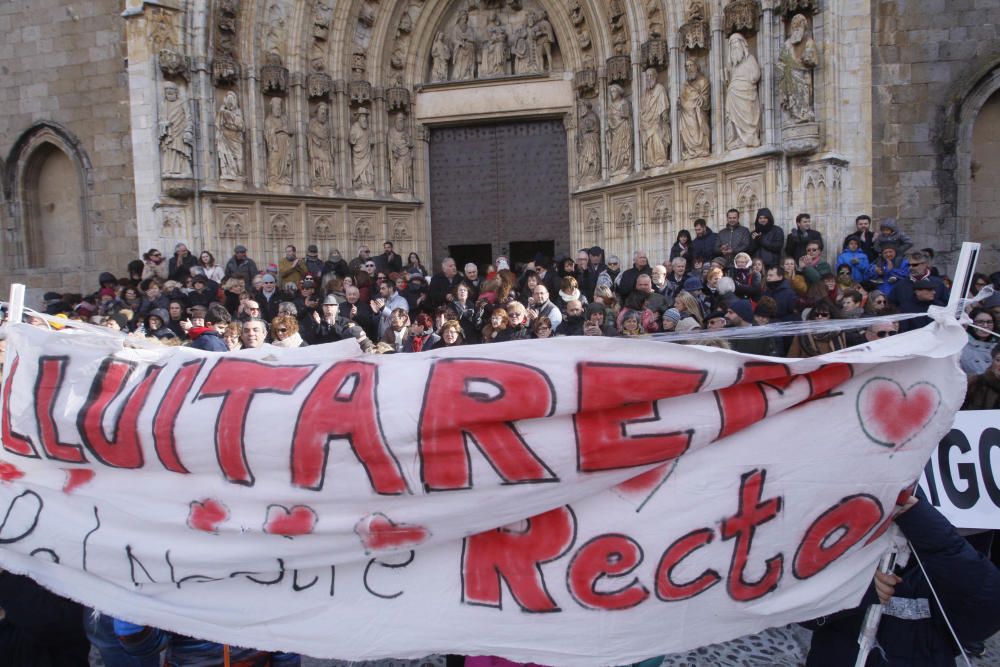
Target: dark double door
499,189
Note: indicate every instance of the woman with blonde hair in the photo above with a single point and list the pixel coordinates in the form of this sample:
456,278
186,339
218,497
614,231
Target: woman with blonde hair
232,336
689,308
517,314
285,330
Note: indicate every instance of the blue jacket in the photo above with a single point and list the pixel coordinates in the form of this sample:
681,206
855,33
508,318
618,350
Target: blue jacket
785,297
966,581
887,281
906,300
210,341
857,260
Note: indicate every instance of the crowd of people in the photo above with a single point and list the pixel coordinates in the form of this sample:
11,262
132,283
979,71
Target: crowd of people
739,276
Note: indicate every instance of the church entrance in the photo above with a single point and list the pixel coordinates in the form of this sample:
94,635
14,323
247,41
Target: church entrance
499,186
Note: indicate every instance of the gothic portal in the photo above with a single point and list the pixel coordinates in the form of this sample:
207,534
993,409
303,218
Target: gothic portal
268,122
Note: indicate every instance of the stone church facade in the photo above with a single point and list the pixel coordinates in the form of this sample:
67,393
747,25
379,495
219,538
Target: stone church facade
483,127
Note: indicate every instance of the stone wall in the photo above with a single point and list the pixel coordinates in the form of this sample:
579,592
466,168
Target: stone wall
64,88
932,63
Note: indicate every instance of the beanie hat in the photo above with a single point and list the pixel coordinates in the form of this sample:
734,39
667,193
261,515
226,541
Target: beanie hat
742,308
672,314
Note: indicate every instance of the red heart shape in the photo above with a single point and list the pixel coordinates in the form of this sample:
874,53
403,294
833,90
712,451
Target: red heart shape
77,477
9,472
206,515
380,533
639,489
892,416
299,520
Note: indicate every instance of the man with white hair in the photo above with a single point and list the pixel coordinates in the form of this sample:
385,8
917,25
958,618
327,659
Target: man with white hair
626,280
443,283
473,280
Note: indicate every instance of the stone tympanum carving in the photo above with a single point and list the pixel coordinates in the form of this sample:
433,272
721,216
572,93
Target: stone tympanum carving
320,148
695,104
176,134
360,139
619,130
796,62
278,141
230,137
494,49
440,57
463,49
654,121
400,155
742,99
544,37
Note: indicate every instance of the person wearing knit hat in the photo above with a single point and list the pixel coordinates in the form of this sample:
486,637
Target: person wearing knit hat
671,316
739,313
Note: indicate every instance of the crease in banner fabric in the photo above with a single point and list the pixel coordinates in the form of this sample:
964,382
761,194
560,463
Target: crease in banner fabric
573,501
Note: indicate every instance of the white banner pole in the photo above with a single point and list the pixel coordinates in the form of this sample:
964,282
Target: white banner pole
16,305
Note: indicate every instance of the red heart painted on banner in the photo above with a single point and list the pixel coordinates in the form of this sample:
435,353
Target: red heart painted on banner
206,515
9,472
77,477
639,489
892,416
298,520
380,533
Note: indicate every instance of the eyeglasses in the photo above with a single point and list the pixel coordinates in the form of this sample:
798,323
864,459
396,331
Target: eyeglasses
818,315
883,334
282,330
984,323
253,308
612,263
369,266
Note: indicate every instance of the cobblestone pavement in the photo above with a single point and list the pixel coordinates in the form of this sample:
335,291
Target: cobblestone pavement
777,647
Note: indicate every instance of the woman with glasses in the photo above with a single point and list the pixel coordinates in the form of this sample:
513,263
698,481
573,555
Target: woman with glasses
517,316
154,265
285,332
451,335
541,327
820,342
878,304
977,353
979,281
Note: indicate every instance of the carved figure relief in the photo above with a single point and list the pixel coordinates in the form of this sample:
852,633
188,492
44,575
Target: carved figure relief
278,141
495,52
176,134
463,49
742,99
400,155
654,122
544,37
695,105
229,141
322,16
360,139
276,36
589,143
440,57
320,148
796,62
619,130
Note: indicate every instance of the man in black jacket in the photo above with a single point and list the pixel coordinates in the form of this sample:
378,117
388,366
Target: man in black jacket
766,239
801,236
443,283
703,243
864,235
626,281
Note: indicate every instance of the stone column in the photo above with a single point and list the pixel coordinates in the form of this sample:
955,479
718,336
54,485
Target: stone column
675,81
340,116
767,49
716,59
256,168
638,90
297,105
602,100
379,128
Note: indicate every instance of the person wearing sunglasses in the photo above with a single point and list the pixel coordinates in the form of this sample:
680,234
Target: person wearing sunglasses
881,330
154,265
285,330
819,342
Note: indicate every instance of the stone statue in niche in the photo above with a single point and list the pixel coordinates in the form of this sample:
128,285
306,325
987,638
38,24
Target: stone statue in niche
527,41
463,49
742,98
400,156
274,40
229,139
796,62
495,48
278,141
544,37
695,104
654,122
322,16
619,130
440,55
320,147
176,134
360,139
589,149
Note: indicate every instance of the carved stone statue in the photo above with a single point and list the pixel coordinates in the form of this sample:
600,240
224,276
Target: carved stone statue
654,122
320,148
176,134
695,104
400,156
742,99
589,150
544,37
440,55
463,49
522,49
278,140
796,62
619,130
360,139
276,36
229,139
494,49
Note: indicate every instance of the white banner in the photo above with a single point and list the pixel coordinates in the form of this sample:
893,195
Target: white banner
962,476
650,497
